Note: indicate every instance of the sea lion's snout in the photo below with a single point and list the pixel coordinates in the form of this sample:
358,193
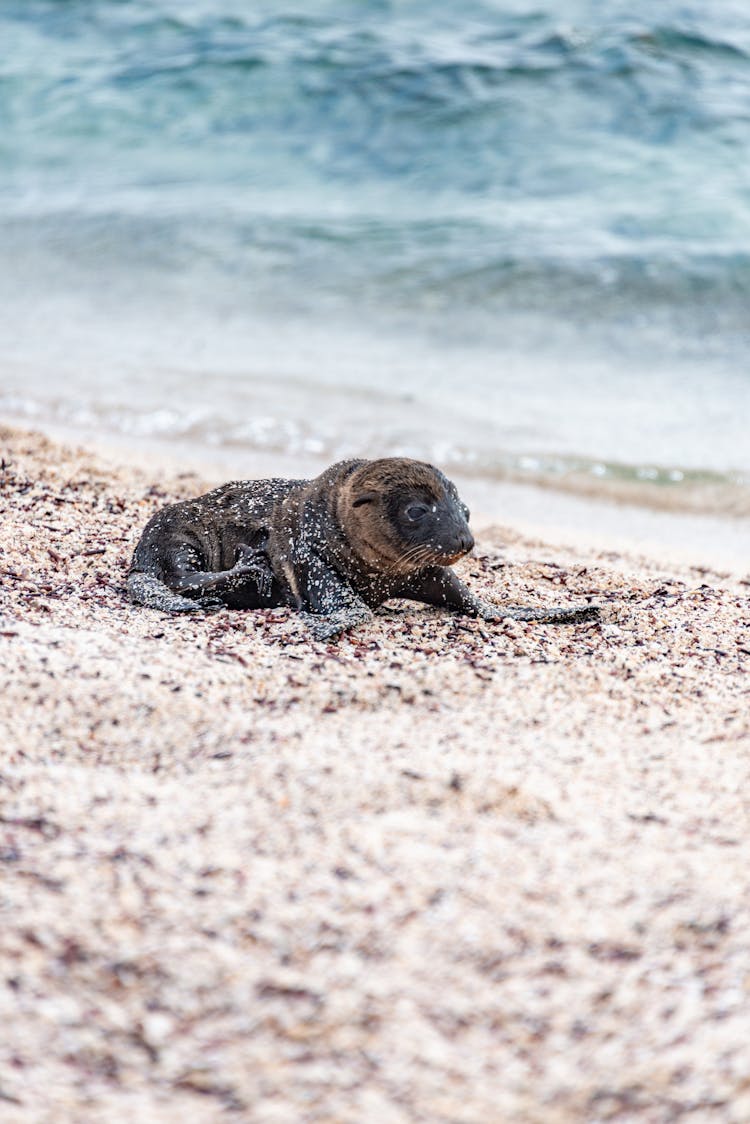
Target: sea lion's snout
454,544
453,536
465,541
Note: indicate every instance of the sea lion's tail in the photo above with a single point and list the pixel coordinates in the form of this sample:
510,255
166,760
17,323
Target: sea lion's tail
145,589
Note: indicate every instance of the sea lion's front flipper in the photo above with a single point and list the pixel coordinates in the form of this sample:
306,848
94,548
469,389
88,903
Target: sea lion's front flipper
555,614
441,586
331,625
329,605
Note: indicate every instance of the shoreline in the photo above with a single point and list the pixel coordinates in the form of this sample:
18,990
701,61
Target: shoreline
438,871
539,510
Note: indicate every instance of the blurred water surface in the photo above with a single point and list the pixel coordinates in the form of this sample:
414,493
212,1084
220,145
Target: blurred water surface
509,236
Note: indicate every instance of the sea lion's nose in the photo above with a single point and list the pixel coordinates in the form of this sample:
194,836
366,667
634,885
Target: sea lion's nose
466,539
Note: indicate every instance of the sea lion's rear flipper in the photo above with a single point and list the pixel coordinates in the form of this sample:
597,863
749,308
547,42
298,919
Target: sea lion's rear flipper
145,589
253,563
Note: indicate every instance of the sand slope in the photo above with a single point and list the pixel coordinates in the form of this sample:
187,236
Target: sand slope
439,872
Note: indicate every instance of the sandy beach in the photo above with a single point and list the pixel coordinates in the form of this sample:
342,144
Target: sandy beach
439,871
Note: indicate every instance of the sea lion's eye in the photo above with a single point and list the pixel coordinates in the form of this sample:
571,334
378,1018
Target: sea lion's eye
416,511
466,512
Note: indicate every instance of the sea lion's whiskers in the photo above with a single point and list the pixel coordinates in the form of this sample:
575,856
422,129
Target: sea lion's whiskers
425,555
410,555
414,555
401,559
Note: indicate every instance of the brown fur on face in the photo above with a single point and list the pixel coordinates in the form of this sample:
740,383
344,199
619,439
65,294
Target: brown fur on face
371,505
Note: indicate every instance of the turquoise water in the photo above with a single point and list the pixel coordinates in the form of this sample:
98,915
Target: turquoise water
510,236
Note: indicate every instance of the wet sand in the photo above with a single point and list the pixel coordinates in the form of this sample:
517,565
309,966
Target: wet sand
439,871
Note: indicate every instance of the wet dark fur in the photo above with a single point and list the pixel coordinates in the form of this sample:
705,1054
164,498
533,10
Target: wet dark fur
334,548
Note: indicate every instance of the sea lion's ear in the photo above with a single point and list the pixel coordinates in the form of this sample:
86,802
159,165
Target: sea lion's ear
366,497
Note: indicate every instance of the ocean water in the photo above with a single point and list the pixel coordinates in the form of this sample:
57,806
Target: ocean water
513,238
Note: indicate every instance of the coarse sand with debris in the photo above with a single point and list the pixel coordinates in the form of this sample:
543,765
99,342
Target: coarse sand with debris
438,871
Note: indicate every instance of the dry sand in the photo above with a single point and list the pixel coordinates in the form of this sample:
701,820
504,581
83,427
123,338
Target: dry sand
440,871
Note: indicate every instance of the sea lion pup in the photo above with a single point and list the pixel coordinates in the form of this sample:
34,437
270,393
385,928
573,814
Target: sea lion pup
334,548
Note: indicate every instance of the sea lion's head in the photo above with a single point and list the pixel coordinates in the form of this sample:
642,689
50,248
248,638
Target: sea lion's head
402,515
